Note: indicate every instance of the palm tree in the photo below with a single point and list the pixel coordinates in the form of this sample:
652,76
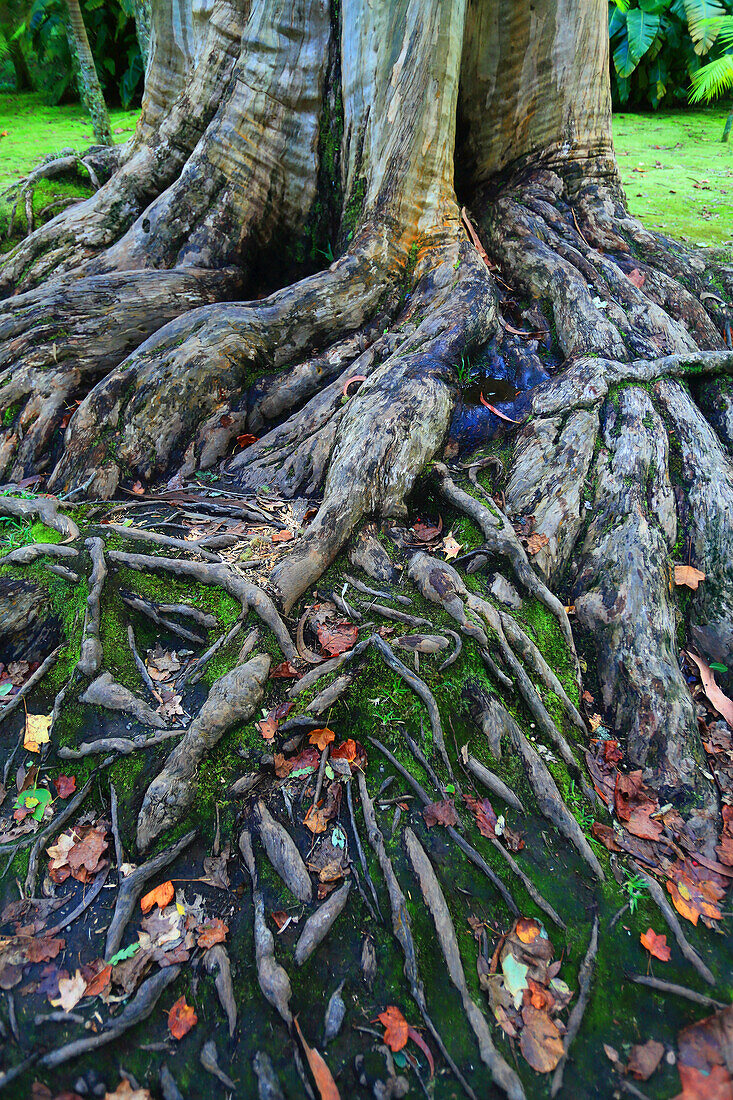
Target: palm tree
89,86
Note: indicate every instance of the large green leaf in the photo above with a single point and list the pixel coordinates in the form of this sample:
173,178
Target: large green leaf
642,27
703,21
711,80
623,61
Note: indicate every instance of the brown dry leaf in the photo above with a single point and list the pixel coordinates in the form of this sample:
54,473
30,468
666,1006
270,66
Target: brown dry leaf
65,785
688,576
268,726
594,722
540,1041
535,542
644,1059
396,1028
440,813
451,547
717,698
637,277
246,440
161,896
212,931
656,945
643,825
321,1073
43,949
283,536
138,489
125,1091
71,991
99,982
284,672
426,532
321,738
36,731
484,814
85,857
181,1018
337,637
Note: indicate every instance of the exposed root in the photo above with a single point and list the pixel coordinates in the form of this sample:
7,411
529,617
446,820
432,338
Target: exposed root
319,924
501,1073
283,854
131,889
139,663
46,509
660,986
216,961
105,692
248,594
12,704
493,783
118,745
401,926
362,856
149,609
26,555
670,916
585,979
273,979
233,698
502,540
90,659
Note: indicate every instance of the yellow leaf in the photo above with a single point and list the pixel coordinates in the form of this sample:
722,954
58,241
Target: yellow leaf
36,731
687,575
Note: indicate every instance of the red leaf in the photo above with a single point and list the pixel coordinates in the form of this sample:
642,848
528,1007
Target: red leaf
396,1028
637,278
181,1018
284,672
420,1042
484,814
656,945
246,440
440,813
65,785
337,637
283,536
321,1073
494,410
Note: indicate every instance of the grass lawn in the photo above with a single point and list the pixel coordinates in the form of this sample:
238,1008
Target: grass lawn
677,173
34,130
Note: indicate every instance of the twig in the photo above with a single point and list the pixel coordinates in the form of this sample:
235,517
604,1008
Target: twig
30,683
361,587
360,850
83,905
193,546
195,671
139,663
113,810
585,979
678,990
146,607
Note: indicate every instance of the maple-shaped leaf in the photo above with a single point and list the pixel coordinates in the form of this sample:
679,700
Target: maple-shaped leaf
65,785
71,991
688,576
161,896
268,726
656,945
396,1028
36,731
337,637
535,542
181,1018
212,931
285,671
440,813
246,440
321,738
451,547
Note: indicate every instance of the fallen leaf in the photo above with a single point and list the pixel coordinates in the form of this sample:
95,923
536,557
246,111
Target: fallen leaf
284,672
718,698
540,1041
283,536
138,489
100,981
321,1073
688,576
71,991
426,532
181,1018
644,1059
125,1091
212,931
43,949
161,896
451,547
493,408
527,929
268,726
535,542
36,731
396,1028
246,440
637,277
321,738
656,945
440,813
65,785
483,812
337,637
420,1042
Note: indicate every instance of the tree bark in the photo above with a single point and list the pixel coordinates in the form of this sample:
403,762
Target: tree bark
89,86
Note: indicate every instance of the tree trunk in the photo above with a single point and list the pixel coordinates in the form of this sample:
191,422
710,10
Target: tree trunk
89,86
453,161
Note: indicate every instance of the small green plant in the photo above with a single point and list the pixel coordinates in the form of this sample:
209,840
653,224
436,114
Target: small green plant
581,812
635,889
14,534
464,370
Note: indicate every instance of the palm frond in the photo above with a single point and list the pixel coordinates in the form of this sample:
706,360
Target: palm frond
712,79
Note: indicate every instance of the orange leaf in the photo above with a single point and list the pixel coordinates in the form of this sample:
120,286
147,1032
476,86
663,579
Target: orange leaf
212,931
181,1018
527,929
161,896
656,945
246,440
321,1073
492,408
688,575
99,982
321,738
636,277
718,698
283,536
396,1028
345,751
268,727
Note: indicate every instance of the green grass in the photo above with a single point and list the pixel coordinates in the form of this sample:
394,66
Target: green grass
34,130
677,174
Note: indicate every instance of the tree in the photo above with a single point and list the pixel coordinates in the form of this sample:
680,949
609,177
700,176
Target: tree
186,304
89,87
